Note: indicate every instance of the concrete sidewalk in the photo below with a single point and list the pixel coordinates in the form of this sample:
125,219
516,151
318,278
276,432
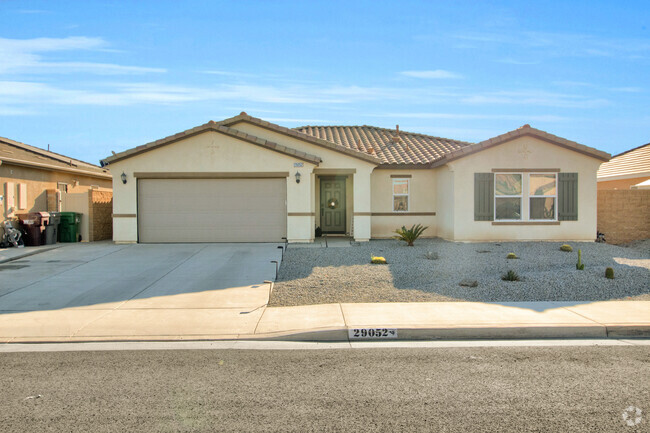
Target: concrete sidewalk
137,321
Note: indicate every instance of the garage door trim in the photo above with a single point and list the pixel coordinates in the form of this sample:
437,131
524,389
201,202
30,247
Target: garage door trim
211,175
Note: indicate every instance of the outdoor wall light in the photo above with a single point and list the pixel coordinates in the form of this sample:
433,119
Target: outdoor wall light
123,177
298,177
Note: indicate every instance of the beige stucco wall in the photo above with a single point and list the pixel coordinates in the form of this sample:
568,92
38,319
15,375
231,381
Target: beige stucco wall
445,201
359,181
524,153
38,181
422,200
211,152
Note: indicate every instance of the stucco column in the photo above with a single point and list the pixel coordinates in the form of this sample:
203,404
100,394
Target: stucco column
300,206
361,216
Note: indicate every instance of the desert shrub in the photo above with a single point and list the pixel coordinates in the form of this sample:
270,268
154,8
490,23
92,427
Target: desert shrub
567,248
378,260
510,276
512,256
409,235
580,266
609,273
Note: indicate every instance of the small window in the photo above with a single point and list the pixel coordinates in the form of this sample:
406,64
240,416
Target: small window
543,196
61,186
400,195
507,196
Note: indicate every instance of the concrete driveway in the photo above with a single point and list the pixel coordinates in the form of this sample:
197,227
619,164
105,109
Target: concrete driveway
102,289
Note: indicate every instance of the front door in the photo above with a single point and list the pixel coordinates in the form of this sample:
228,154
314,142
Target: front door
332,205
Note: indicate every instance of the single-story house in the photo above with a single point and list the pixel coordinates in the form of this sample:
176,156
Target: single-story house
627,170
28,173
247,180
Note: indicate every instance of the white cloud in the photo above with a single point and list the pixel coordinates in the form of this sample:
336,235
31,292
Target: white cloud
462,116
435,74
627,89
534,98
25,56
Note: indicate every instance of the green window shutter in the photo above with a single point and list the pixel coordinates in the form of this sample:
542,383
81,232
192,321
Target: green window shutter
483,196
567,196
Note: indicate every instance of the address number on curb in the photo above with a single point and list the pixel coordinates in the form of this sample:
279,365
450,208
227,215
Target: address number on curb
372,333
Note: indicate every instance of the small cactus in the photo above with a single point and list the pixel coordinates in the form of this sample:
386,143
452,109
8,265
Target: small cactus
566,248
580,266
512,256
609,273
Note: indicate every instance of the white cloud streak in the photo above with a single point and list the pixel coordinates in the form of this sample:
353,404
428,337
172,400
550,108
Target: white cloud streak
25,56
431,75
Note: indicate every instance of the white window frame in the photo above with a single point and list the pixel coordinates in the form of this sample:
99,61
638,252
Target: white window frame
407,195
520,197
543,196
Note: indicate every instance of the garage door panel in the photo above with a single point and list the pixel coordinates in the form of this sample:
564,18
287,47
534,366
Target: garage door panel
212,210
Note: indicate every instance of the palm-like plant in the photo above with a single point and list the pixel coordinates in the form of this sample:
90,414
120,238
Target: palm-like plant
409,235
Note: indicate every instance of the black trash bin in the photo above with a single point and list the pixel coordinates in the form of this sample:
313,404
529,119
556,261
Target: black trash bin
33,225
52,228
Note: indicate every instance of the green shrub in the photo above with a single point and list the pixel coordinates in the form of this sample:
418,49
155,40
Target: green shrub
409,235
378,260
567,248
609,273
510,276
512,256
580,266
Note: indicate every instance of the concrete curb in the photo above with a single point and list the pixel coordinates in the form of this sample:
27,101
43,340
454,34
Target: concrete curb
525,332
30,251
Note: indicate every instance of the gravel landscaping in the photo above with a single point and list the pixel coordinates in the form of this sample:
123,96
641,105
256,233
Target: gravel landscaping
330,275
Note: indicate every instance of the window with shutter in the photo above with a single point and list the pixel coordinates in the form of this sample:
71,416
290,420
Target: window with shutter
483,196
567,197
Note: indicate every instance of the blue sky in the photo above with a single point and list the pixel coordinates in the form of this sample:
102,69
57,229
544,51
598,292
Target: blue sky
89,77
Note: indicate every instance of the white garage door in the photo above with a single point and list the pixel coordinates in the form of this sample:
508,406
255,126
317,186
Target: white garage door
212,210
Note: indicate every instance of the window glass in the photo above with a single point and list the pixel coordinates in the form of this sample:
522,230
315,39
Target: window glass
401,203
507,208
400,186
542,184
542,208
507,184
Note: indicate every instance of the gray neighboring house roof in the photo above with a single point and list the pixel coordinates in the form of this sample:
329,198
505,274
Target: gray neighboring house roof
17,153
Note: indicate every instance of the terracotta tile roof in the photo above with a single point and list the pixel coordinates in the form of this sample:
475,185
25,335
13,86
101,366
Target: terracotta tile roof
15,152
296,133
217,127
392,147
629,163
525,130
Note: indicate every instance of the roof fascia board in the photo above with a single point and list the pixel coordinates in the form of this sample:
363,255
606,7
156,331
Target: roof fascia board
38,165
300,136
219,128
623,176
512,135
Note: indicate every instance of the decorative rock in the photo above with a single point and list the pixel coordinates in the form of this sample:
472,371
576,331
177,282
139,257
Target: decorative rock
469,283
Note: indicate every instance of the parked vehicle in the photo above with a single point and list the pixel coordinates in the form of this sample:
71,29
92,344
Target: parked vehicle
11,237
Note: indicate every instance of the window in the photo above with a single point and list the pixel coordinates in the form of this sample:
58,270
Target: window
400,195
543,196
507,196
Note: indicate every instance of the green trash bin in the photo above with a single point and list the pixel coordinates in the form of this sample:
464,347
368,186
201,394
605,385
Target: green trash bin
69,225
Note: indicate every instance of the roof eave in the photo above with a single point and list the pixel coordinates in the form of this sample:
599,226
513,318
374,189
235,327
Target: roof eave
219,128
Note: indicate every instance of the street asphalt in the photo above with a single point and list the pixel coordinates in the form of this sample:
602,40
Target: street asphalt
469,389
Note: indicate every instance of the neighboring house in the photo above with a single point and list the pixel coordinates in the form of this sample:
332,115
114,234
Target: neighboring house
247,180
627,170
31,178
